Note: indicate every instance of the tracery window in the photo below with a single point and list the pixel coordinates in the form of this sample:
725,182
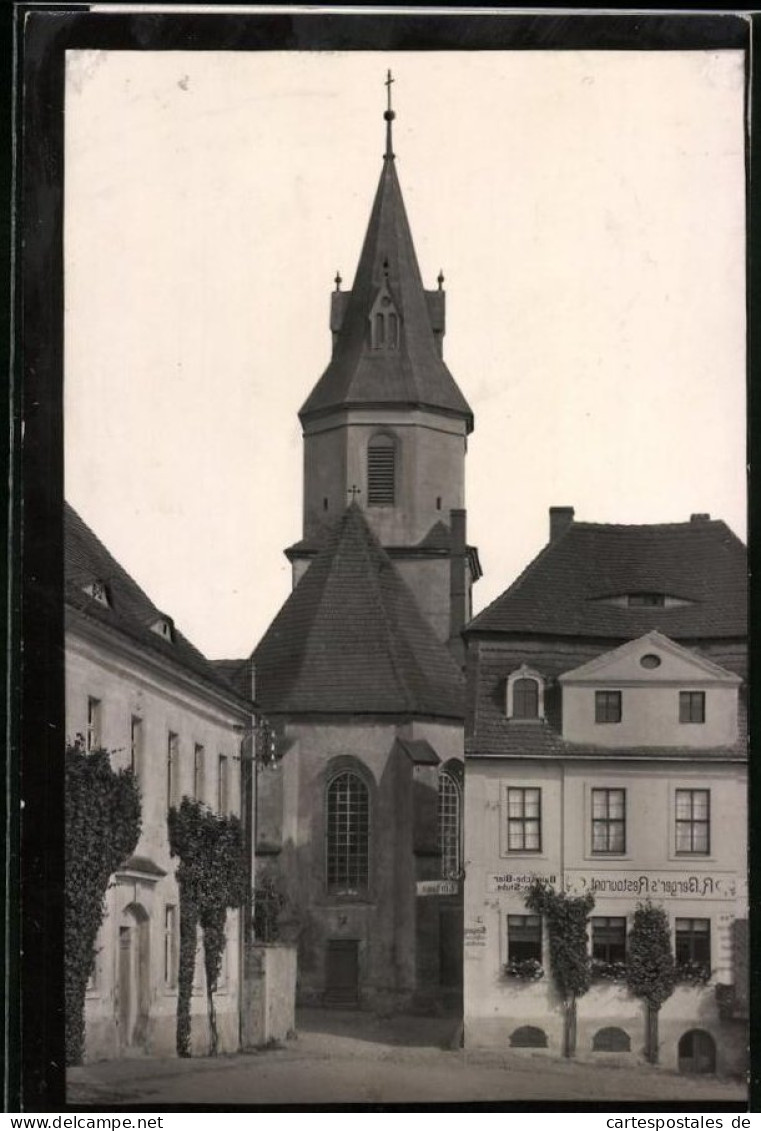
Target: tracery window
449,825
347,833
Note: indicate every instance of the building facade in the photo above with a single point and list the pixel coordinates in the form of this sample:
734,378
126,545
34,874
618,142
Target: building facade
606,753
138,688
361,670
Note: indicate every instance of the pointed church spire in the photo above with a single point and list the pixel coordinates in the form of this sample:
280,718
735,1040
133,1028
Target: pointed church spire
389,115
388,330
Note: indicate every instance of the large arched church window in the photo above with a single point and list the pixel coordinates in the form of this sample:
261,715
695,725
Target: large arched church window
347,834
450,808
381,470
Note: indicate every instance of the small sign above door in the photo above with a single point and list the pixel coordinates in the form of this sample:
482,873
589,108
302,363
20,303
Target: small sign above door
437,887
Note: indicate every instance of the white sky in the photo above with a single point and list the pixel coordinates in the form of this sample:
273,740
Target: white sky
587,209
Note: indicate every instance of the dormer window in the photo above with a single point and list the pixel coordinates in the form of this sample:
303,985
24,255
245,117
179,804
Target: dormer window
646,600
163,626
384,322
98,591
525,694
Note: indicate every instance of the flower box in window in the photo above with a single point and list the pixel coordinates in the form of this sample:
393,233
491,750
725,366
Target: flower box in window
692,973
527,969
608,971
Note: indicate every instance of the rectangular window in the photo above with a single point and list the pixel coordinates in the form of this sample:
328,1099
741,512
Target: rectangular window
524,938
171,945
609,938
524,820
93,736
607,706
222,794
609,820
692,706
172,769
693,942
135,743
693,820
198,768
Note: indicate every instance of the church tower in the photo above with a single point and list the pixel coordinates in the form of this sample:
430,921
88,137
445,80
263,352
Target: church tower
386,425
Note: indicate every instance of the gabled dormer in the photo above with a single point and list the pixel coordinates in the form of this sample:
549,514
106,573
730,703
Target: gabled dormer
163,626
385,324
650,692
98,590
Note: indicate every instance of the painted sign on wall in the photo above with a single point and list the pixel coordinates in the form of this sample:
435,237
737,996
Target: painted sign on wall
437,887
515,881
638,884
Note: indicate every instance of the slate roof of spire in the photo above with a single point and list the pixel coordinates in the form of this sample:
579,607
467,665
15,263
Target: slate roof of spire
129,610
350,639
415,373
562,592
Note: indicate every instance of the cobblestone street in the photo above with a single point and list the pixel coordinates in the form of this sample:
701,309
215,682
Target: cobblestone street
342,1057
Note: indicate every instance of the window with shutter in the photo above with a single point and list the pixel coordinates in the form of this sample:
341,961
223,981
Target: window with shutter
381,471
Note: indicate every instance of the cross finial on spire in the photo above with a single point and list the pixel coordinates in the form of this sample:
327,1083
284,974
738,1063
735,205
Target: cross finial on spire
338,280
354,491
389,115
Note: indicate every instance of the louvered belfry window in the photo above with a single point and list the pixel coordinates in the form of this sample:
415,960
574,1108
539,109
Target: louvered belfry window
348,834
381,471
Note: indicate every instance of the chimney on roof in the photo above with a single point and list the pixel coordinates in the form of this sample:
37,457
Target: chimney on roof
560,519
700,518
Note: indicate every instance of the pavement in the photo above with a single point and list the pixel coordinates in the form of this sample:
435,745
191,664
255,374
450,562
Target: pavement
360,1058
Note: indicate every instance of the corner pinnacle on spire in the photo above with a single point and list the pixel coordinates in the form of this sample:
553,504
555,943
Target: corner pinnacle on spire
389,115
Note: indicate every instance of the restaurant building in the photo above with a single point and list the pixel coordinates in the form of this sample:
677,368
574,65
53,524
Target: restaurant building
606,753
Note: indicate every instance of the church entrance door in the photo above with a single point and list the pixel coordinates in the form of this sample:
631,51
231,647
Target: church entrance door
342,972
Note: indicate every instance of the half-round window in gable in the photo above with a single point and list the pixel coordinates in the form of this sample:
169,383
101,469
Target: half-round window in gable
525,694
381,470
347,834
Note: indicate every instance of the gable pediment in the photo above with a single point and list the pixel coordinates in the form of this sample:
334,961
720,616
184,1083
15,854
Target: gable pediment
652,658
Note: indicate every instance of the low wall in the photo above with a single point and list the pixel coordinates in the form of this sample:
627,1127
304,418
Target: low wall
268,1011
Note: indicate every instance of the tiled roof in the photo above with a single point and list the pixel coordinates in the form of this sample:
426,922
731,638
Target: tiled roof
415,374
419,751
129,610
351,639
559,593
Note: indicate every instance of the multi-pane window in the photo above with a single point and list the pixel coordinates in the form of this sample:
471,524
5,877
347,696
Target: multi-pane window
449,825
693,942
524,938
172,768
171,944
198,767
525,699
693,820
381,471
692,706
223,785
524,819
93,737
135,743
609,938
347,833
607,706
608,820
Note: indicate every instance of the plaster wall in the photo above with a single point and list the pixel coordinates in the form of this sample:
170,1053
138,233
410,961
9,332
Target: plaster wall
711,886
125,689
650,715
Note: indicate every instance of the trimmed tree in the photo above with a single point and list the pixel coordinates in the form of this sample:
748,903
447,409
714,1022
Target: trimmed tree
102,811
566,917
650,970
211,877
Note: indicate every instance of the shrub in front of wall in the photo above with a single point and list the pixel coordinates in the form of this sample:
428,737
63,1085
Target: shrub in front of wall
211,877
102,813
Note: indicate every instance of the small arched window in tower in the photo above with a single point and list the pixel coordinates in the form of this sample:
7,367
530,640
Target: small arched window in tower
347,829
449,825
384,322
381,471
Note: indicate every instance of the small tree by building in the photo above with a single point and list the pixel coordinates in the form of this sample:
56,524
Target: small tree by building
102,812
211,877
566,917
650,970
